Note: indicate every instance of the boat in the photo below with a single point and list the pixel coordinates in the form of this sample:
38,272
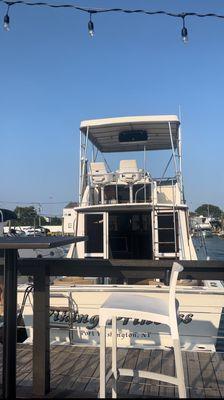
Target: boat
207,233
129,214
201,226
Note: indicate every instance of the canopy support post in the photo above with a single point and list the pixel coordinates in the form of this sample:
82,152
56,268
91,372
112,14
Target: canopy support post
83,153
179,149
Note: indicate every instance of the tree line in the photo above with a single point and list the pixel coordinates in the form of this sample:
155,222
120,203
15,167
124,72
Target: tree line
210,210
28,216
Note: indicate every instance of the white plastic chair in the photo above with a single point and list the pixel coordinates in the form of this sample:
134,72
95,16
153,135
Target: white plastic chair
128,171
147,308
99,174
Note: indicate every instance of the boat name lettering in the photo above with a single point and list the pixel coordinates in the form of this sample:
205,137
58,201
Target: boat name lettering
186,319
92,321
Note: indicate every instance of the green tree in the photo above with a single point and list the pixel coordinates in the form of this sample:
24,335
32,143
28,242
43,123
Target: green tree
209,210
55,221
26,216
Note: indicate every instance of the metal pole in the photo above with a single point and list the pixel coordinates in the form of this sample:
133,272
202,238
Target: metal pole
174,159
131,193
92,153
83,165
173,150
10,324
144,160
39,211
167,166
180,155
144,174
80,165
41,339
180,158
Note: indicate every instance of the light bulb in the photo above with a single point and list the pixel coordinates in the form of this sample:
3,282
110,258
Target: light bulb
6,22
91,27
184,34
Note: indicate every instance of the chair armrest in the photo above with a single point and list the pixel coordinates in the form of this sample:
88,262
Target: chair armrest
177,267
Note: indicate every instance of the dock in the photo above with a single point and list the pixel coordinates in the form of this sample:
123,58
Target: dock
47,371
75,372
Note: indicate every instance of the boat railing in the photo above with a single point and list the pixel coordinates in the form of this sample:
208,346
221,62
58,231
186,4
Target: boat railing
118,192
131,187
166,180
198,235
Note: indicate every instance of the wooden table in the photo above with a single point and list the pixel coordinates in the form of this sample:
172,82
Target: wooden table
41,363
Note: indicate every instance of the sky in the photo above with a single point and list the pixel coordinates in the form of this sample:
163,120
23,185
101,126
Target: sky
53,75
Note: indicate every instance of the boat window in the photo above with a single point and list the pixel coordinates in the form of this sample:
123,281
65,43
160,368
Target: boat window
110,194
94,231
94,196
167,233
133,136
130,235
123,194
141,193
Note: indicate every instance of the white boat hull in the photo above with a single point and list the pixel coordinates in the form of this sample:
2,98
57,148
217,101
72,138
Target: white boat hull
200,313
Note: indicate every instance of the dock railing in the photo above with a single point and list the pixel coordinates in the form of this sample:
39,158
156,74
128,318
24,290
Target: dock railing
73,320
121,269
132,271
42,269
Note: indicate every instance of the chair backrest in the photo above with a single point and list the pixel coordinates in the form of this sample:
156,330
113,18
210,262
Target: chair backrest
98,172
129,172
128,166
97,168
173,281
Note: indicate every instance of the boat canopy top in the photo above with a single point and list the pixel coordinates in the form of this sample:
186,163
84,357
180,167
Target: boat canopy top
152,132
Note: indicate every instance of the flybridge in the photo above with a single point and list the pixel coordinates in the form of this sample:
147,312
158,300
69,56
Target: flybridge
125,212
154,132
126,134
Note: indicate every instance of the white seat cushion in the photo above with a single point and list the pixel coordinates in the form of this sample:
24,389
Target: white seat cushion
135,306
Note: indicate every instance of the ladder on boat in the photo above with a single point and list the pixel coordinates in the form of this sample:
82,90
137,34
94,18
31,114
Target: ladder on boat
164,228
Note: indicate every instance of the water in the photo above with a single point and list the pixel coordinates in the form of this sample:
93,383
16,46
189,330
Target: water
214,247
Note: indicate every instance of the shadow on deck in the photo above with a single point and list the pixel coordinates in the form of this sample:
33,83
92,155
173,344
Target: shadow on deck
75,372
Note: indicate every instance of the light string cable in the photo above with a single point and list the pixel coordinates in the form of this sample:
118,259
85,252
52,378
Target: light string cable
91,11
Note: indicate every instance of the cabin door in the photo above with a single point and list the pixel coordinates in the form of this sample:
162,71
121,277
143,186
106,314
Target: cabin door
96,228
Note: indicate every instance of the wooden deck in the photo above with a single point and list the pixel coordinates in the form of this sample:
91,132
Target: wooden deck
75,372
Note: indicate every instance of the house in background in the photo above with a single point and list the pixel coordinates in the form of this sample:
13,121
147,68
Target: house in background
69,218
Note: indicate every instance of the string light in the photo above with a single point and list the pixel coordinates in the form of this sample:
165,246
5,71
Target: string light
184,32
91,26
6,20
